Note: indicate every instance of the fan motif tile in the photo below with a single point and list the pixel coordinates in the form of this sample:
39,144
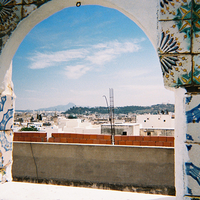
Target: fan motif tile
12,12
176,34
176,69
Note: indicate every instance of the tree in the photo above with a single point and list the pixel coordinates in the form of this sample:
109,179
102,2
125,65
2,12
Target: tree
32,128
72,117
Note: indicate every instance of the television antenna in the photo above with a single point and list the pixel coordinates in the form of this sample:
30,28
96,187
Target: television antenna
111,114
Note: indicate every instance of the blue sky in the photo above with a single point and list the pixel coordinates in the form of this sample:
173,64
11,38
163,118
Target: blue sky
77,54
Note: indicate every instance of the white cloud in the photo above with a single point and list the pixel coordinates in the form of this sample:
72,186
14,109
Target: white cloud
105,52
75,72
84,59
44,60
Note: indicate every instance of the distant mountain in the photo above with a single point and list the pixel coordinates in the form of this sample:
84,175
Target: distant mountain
58,108
154,109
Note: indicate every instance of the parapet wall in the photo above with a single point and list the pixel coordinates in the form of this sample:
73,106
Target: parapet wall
165,141
103,166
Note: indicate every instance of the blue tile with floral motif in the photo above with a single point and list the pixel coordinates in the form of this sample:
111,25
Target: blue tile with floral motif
192,112
192,170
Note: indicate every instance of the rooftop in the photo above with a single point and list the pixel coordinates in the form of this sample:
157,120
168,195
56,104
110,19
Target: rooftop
31,191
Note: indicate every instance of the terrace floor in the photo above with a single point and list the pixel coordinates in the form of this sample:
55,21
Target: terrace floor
31,191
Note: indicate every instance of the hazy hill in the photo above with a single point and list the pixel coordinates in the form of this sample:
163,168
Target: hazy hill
58,108
154,109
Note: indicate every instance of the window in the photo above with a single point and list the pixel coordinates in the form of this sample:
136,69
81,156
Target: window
124,133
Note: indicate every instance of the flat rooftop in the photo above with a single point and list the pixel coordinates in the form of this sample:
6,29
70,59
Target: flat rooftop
32,191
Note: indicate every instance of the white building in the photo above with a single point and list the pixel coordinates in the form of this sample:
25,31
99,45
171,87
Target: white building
129,129
156,121
77,126
156,124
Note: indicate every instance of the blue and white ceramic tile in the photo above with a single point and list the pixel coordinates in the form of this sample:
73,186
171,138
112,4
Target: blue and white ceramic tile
175,9
176,69
6,138
174,37
6,112
190,198
192,109
193,132
192,170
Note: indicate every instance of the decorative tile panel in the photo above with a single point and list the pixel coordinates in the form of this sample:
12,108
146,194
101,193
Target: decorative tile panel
174,36
6,112
196,9
175,9
196,69
27,9
191,198
196,37
12,12
36,2
192,109
196,27
192,143
6,138
176,69
192,170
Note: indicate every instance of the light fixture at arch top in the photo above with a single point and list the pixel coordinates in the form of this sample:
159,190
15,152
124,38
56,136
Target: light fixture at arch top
78,4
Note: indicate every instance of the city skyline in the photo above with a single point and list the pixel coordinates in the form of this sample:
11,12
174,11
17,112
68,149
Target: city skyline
77,54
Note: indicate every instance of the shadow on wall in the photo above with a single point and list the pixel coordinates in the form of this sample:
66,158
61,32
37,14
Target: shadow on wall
144,169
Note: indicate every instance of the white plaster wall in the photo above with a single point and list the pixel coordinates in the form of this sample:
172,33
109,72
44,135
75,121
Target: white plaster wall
71,123
180,149
92,130
155,121
49,130
136,130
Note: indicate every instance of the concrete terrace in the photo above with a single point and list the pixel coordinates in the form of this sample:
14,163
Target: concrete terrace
31,191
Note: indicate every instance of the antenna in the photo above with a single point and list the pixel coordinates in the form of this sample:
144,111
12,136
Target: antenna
111,114
112,123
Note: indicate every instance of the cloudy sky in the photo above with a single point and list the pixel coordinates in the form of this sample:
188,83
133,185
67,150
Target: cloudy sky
77,54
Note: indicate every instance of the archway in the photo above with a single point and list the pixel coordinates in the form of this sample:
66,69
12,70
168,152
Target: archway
92,51
15,26
178,49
